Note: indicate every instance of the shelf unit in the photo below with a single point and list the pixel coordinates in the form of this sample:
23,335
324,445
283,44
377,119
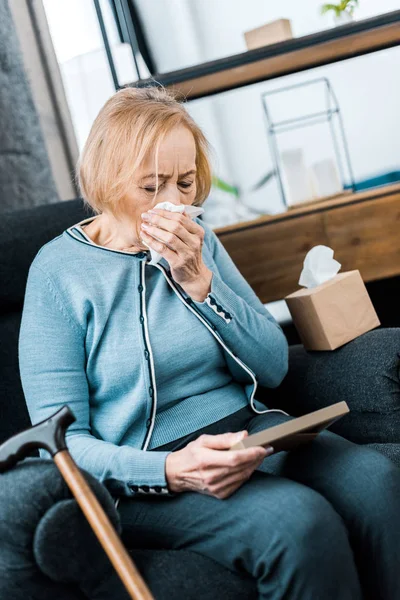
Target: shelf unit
269,62
361,227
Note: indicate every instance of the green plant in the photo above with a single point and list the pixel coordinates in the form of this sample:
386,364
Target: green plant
225,187
343,6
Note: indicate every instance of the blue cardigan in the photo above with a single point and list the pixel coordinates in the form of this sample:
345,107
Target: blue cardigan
84,341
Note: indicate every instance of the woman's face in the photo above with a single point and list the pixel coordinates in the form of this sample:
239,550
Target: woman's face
176,175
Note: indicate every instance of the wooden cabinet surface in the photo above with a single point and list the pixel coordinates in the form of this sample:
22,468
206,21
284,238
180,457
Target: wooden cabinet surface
363,230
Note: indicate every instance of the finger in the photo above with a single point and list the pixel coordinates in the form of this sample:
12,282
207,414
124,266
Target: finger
171,221
224,441
167,219
172,231
169,254
230,479
221,441
233,458
226,487
227,490
168,238
217,475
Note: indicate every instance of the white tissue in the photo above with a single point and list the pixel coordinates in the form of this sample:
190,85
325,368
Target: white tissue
319,266
192,211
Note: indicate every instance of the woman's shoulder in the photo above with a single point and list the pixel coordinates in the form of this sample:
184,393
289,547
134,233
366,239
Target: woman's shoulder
52,255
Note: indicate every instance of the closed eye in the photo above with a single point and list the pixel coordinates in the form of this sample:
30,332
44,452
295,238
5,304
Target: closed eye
183,184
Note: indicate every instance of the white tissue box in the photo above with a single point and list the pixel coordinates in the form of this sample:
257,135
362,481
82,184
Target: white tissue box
333,313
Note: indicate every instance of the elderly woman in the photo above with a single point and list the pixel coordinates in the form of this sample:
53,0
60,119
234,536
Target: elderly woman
160,364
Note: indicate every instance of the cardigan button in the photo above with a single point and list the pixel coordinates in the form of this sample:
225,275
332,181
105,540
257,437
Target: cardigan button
151,391
148,423
140,287
141,319
146,354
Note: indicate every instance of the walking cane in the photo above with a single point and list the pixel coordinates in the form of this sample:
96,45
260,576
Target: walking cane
50,435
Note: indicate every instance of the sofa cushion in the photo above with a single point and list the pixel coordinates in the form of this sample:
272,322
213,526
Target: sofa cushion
365,373
13,411
22,234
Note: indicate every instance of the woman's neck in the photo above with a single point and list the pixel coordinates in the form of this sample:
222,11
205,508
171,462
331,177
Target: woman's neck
105,230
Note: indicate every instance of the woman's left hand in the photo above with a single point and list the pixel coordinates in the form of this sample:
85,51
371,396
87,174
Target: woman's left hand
179,240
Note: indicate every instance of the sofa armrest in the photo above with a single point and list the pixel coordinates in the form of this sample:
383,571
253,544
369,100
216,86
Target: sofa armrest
364,373
47,548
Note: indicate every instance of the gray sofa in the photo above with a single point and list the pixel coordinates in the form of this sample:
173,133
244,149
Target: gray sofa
35,503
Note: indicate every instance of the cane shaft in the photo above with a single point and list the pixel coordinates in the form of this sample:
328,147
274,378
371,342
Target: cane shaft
102,527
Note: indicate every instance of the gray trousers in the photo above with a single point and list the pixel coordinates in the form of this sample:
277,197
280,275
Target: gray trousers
319,522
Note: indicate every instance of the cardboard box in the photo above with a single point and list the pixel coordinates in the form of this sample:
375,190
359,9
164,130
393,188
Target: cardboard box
271,33
333,313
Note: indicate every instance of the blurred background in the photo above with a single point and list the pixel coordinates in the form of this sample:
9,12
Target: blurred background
70,73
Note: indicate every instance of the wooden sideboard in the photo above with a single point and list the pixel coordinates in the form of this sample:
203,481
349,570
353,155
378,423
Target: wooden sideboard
363,229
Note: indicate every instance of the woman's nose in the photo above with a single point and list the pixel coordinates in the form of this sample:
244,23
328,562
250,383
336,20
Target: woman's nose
172,194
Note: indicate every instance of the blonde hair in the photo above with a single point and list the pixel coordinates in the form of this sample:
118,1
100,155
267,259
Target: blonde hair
133,122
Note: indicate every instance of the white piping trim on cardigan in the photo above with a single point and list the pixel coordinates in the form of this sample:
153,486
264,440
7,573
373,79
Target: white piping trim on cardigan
245,367
152,369
153,382
220,313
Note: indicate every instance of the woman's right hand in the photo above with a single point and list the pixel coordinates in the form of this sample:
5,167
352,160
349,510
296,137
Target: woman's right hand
206,465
